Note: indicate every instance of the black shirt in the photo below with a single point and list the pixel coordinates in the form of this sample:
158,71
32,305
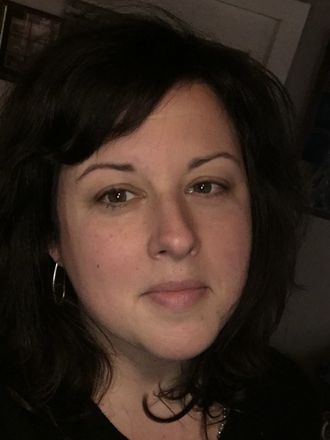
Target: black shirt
281,406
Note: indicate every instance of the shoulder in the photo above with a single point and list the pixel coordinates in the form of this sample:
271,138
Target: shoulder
281,404
17,423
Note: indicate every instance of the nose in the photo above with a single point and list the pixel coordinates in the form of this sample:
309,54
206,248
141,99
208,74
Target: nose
173,232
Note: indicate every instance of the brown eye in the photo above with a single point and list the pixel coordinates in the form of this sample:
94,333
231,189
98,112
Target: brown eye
203,187
208,188
116,196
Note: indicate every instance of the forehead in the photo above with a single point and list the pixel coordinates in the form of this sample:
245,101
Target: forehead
194,108
188,113
188,122
185,99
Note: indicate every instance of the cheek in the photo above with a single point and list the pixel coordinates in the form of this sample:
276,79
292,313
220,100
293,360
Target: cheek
237,244
231,231
95,257
228,247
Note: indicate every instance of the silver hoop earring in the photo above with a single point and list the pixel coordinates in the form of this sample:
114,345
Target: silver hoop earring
58,296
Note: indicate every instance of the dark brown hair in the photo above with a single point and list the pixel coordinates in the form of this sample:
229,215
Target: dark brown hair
100,83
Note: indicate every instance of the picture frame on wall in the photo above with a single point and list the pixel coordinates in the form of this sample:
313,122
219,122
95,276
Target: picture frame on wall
24,32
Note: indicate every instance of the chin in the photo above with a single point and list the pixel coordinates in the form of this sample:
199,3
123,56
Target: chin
182,351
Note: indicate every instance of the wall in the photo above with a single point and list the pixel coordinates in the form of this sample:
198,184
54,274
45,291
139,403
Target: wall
304,332
305,328
51,6
308,57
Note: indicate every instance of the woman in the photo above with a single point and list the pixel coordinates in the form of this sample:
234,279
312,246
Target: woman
149,222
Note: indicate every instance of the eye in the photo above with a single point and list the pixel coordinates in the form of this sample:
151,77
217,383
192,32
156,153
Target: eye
208,188
116,197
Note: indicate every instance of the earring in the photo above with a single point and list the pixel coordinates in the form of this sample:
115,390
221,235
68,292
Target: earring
58,296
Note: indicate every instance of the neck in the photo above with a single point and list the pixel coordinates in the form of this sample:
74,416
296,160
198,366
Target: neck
134,378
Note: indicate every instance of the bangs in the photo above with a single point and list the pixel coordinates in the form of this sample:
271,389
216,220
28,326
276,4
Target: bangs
104,112
102,93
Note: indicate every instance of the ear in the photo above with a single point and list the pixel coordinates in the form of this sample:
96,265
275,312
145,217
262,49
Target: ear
55,253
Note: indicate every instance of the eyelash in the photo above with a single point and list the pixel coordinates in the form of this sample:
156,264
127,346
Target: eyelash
115,191
222,188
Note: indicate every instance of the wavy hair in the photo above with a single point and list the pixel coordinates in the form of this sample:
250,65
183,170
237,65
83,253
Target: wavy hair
95,84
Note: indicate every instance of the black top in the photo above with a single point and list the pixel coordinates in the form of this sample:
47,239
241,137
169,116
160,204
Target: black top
281,407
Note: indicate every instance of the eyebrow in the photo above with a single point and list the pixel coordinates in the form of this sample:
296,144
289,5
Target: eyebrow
127,167
198,161
107,165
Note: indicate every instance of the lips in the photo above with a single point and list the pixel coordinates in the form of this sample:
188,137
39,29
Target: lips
177,296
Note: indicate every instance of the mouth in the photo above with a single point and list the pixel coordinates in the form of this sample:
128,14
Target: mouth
177,296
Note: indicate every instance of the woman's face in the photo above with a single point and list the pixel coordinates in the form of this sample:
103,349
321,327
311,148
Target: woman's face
155,228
